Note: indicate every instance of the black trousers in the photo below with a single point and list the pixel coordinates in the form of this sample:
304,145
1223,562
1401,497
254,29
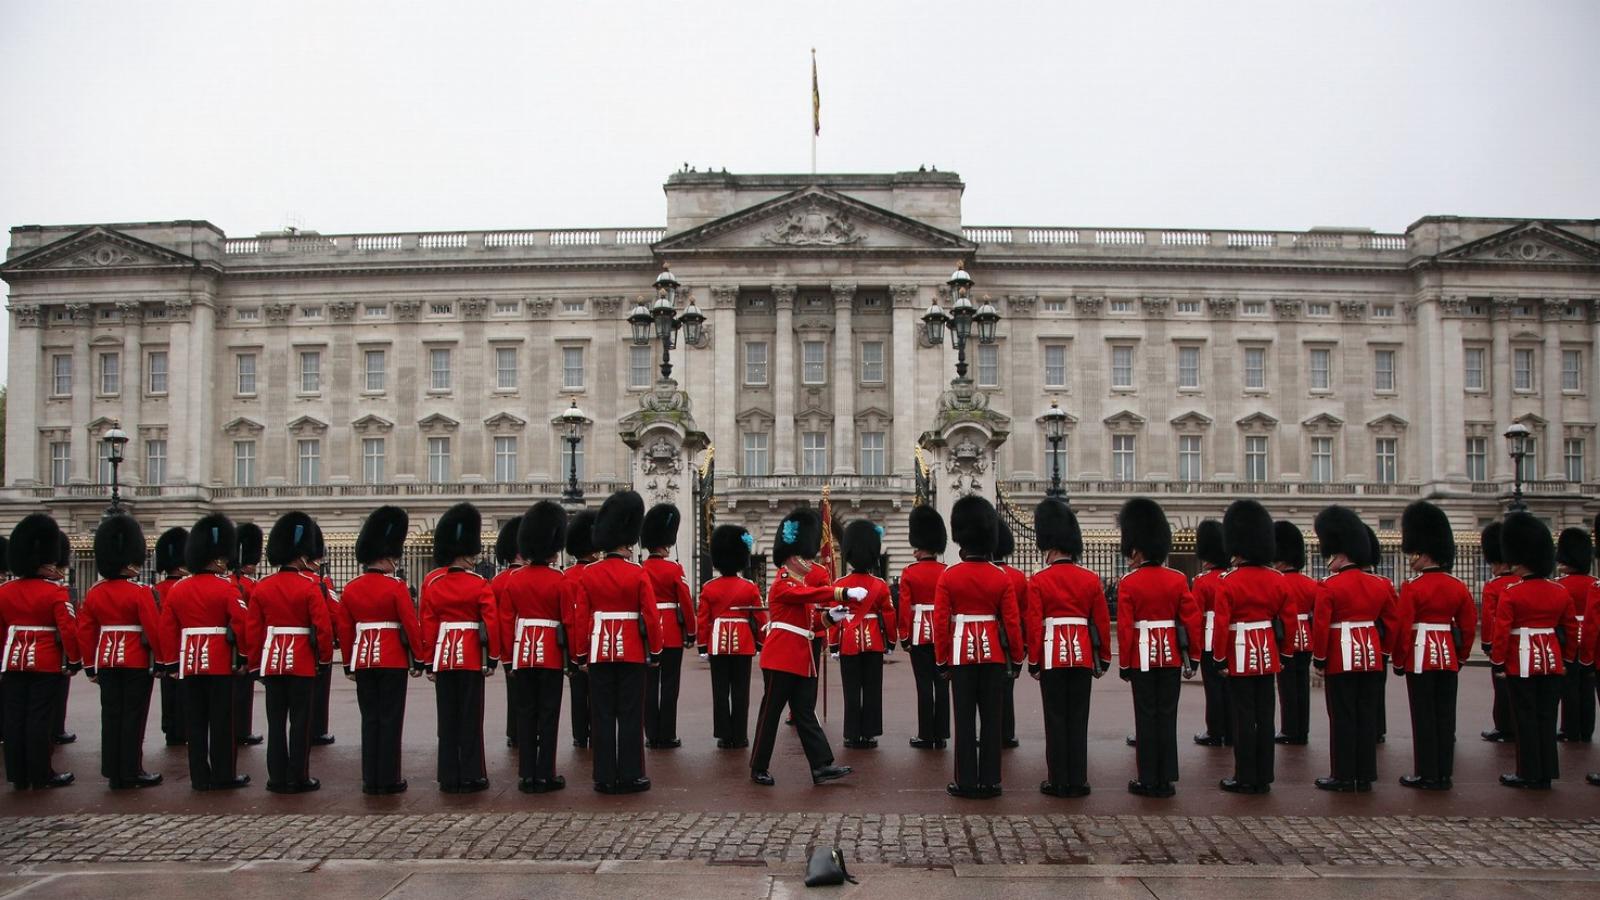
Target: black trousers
730,697
1294,697
933,695
1219,711
799,694
289,727
1577,703
1065,696
1381,700
1504,717
512,686
381,695
1008,712
459,699
862,677
1354,719
124,709
1155,724
208,714
172,711
63,689
319,702
1433,722
538,720
1534,701
580,713
661,683
244,705
1250,701
27,716
616,695
978,694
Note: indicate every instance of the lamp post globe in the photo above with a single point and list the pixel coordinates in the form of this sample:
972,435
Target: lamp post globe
1517,437
115,439
573,422
1053,422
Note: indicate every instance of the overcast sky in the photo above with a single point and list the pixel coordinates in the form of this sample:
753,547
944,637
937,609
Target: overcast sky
387,116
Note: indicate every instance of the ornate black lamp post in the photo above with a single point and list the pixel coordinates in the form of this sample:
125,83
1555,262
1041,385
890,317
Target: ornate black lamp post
664,318
115,440
1054,422
1517,437
960,320
573,423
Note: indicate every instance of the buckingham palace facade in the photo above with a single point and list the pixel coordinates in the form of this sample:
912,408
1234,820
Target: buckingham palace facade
335,372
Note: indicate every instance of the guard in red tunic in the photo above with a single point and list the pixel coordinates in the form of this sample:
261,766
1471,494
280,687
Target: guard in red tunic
1505,723
917,584
1587,652
245,560
509,560
377,624
1254,616
1294,681
1574,559
40,638
1067,626
169,563
534,636
1536,625
1351,630
731,623
580,547
1158,622
1212,555
116,627
621,627
321,699
1437,623
460,646
671,587
863,639
63,683
788,667
977,634
203,628
1005,545
291,638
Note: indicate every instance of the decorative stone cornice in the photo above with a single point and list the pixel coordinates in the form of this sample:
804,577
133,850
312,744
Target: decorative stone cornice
80,313
473,307
1501,307
1223,307
1155,307
844,296
1287,308
25,315
783,296
1553,308
904,296
372,424
541,307
132,311
724,296
277,313
1088,305
1454,305
179,309
610,305
1021,304
342,311
1353,310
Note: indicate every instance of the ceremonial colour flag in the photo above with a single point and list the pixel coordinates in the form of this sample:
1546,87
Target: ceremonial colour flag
829,555
816,98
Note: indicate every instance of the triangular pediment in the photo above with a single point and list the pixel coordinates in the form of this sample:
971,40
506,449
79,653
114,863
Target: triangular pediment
1323,420
1126,418
1531,243
1192,419
307,425
98,249
1257,420
439,422
814,220
755,418
1388,421
241,426
371,422
1532,421
504,420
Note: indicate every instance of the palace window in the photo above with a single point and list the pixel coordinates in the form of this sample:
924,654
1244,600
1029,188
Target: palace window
155,462
813,362
1321,369
1188,307
572,459
248,314
1572,456
1477,459
1530,462
572,306
374,460
1121,306
1255,458
755,454
1055,458
505,368
244,463
1522,370
311,312
1472,367
377,375
1572,371
158,371
245,369
374,310
103,457
1189,458
1253,308
60,462
1055,366
872,362
988,365
1383,371
872,453
639,367
310,456
110,373
1056,304
814,453
1122,367
755,363
1318,310
438,460
1383,310
1189,367
1321,460
61,375
572,368
1123,459
1255,368
1387,467
439,369
505,459
310,372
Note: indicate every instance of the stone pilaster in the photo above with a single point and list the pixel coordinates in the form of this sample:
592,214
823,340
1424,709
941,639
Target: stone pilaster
844,381
783,381
1500,312
1553,464
25,363
903,378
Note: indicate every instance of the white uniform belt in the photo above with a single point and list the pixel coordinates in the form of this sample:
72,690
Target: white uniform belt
962,621
213,630
1304,617
1346,643
716,630
1051,623
183,641
1146,626
919,612
444,629
1211,618
1525,645
133,629
376,626
522,626
11,636
793,629
365,650
594,629
666,606
272,632
1421,644
1240,629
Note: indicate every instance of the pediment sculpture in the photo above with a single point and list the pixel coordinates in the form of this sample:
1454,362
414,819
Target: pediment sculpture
814,227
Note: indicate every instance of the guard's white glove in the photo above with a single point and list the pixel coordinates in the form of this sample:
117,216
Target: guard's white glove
856,593
839,613
833,655
704,655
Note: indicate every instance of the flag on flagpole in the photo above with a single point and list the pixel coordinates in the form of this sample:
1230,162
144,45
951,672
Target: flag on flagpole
829,556
816,98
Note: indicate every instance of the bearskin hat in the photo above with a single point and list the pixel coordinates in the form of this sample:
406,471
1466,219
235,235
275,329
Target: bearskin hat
927,530
63,552
294,535
1145,529
1055,526
1209,547
1374,549
1247,532
1574,550
799,534
1489,544
619,521
169,550
660,527
1005,543
730,549
505,543
459,533
1525,541
382,535
580,535
541,531
1290,545
1340,531
321,551
248,551
118,543
863,544
975,526
211,538
35,543
1425,530
5,564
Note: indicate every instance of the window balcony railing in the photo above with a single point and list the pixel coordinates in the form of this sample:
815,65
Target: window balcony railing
841,484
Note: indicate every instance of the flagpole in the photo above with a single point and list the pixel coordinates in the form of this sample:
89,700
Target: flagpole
816,123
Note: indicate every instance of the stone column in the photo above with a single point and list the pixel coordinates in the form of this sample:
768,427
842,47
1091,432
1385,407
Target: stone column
22,396
83,388
192,464
726,382
1450,459
844,381
1500,324
1553,465
783,381
545,401
1591,383
133,364
903,383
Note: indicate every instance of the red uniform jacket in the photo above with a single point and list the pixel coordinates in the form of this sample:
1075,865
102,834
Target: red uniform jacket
867,630
38,626
573,575
1153,603
119,626
290,629
534,623
1303,594
1437,623
1591,638
918,582
1535,631
1491,604
1579,587
724,630
1243,638
1206,588
377,623
974,601
617,618
671,589
458,618
202,622
1356,622
497,586
1064,601
818,576
792,606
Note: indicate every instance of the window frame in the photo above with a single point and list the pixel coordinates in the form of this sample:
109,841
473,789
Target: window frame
239,374
1316,442
1191,458
155,461
763,453
60,465
814,459
312,372
1326,353
1257,454
57,375
381,354
567,369
441,380
115,358
311,461
1131,383
247,477
1386,460
879,453
820,364
1064,383
1260,352
1393,357
1195,383
1124,460
501,352
154,372
1477,458
374,466
765,364
979,364
439,463
505,461
867,363
1531,372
